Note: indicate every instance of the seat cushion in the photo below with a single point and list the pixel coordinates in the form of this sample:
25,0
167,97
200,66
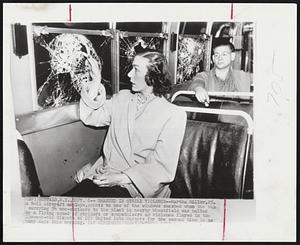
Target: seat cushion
29,178
211,161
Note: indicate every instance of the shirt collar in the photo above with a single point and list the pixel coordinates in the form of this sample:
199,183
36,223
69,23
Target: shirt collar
229,74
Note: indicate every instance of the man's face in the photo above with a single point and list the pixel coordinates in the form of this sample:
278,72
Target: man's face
223,57
137,74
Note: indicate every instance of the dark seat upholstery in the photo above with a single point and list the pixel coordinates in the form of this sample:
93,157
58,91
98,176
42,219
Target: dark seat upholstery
29,178
211,161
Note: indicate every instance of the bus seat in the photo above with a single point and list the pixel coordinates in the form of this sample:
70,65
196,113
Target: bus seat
228,105
211,161
29,178
195,115
246,107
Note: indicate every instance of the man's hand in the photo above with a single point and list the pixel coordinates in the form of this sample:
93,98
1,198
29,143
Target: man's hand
202,95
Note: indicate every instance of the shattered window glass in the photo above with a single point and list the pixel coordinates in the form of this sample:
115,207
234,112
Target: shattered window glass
193,43
61,66
129,46
191,55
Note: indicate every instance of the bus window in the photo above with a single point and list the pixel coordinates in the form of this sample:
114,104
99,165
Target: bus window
59,60
192,50
137,37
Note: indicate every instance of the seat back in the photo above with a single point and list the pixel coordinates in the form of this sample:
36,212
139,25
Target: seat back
211,161
228,105
29,178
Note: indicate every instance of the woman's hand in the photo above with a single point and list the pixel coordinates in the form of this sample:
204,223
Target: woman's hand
107,177
94,68
81,173
93,86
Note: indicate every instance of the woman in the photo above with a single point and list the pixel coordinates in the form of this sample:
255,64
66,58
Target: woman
145,133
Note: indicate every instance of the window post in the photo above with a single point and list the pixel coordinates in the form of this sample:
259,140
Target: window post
115,60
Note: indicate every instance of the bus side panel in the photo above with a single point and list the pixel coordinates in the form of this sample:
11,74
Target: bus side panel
59,152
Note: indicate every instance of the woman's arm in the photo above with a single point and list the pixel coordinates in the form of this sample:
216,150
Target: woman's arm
97,111
94,109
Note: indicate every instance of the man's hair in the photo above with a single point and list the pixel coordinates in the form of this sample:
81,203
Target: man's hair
158,75
217,42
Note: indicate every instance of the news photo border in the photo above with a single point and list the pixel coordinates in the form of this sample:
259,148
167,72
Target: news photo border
277,95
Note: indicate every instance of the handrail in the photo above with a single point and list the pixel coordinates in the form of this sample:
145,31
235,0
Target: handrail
39,29
243,114
59,30
218,94
143,34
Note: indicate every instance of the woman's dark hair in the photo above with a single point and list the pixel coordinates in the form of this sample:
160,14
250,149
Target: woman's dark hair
158,75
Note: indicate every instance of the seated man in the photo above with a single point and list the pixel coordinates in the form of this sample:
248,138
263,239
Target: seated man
222,77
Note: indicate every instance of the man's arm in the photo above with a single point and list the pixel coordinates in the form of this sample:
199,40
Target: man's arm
199,80
198,85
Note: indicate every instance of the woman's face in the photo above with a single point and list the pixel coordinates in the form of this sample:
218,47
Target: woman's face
137,75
